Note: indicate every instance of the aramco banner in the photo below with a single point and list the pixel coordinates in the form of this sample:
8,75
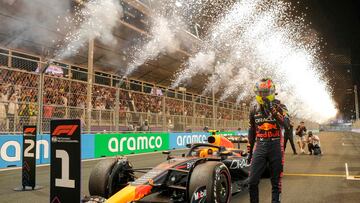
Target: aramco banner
129,143
180,140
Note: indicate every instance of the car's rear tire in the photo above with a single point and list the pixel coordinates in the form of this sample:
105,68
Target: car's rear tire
210,182
99,177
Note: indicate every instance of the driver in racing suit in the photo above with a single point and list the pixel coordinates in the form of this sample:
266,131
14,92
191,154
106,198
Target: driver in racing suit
267,118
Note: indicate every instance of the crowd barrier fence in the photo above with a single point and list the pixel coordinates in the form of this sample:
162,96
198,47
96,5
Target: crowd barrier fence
103,145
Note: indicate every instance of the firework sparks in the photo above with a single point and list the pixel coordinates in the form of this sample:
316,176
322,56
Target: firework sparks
265,40
171,18
95,20
163,40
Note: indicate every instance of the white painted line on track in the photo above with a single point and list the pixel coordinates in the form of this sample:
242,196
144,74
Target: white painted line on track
314,175
348,176
94,159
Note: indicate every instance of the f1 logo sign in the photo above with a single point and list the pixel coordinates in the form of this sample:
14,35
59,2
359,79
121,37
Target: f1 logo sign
29,156
29,130
65,130
65,163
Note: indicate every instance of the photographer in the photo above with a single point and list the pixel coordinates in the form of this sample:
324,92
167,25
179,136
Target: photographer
313,144
300,132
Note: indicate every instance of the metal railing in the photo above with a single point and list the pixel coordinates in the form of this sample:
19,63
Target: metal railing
28,96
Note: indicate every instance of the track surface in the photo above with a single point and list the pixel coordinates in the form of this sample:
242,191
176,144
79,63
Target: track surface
307,178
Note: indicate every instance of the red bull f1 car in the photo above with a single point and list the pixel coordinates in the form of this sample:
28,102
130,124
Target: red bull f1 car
208,172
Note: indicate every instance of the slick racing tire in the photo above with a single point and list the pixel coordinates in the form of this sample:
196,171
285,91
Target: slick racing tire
210,182
99,177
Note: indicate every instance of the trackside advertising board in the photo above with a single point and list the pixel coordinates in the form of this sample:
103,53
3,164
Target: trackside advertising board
232,133
129,143
11,147
180,140
98,145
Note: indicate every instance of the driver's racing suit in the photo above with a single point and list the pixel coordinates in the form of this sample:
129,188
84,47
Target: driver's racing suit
266,146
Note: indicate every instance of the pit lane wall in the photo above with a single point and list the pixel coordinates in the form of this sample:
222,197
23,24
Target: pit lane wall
356,126
103,145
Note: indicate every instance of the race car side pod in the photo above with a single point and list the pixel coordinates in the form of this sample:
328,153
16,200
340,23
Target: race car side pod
130,193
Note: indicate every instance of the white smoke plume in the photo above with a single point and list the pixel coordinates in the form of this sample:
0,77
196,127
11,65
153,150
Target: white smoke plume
96,20
31,21
163,40
60,28
171,19
200,64
222,72
265,40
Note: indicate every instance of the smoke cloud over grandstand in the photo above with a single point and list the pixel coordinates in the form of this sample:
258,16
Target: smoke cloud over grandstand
96,19
250,40
66,25
170,18
165,26
256,39
32,14
163,40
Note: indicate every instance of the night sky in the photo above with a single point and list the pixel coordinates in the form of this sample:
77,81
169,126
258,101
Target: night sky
338,24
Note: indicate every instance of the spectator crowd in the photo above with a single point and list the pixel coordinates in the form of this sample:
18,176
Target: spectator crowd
67,98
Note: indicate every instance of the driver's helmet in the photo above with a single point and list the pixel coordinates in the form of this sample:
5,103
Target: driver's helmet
265,88
202,153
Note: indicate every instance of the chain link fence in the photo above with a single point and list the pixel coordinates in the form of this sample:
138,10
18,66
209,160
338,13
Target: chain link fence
31,94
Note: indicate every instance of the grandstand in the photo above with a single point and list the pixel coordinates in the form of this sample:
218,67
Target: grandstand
64,90
86,87
89,85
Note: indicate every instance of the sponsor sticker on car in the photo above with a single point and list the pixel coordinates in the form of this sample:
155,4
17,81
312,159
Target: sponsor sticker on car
199,195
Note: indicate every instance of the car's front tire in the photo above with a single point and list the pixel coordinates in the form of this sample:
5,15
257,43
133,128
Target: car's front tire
109,176
210,182
99,177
